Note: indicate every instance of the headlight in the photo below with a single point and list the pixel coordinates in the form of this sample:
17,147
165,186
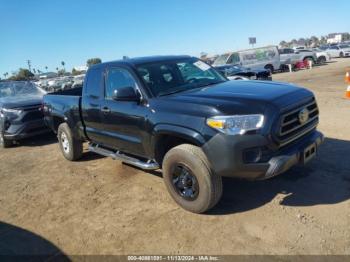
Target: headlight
12,111
238,124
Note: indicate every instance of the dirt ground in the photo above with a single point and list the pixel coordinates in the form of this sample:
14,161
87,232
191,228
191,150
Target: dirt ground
99,206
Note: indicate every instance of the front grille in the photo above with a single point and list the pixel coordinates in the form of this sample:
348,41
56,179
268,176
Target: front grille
32,113
291,126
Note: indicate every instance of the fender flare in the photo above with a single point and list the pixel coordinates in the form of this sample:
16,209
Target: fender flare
177,131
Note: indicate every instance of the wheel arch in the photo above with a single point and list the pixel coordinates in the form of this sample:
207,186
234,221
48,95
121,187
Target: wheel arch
166,137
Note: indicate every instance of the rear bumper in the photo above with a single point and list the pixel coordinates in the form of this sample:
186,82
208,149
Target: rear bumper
24,130
226,155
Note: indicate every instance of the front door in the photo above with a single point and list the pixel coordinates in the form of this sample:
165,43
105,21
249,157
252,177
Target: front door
123,121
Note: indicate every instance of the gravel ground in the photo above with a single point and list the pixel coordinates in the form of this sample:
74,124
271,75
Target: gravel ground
99,206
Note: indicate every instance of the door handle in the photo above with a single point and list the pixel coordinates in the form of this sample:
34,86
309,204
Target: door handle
93,105
105,110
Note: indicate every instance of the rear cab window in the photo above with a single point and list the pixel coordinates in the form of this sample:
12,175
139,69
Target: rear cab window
94,83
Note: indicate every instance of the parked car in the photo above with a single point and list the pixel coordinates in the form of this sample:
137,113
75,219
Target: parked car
178,114
78,81
322,56
20,112
342,50
237,72
292,56
257,58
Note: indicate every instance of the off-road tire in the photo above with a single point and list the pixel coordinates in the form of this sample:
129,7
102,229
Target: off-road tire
210,184
73,150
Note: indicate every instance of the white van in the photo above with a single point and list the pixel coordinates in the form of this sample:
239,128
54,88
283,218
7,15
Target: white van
257,58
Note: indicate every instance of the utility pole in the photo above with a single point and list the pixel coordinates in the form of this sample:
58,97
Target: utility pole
29,65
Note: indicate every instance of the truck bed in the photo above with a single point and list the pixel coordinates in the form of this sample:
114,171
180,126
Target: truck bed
69,92
64,105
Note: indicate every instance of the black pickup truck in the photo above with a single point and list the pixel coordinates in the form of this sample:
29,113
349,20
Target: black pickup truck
178,114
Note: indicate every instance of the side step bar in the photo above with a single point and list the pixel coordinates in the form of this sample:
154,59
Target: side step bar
149,165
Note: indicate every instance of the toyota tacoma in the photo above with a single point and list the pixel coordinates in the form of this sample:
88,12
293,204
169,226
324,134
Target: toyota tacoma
180,115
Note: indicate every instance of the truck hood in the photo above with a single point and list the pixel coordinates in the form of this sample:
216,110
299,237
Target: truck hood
20,101
238,97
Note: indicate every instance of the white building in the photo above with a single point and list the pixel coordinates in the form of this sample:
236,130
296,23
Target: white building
336,38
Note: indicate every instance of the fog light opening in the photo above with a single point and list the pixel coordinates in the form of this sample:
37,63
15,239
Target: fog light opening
252,155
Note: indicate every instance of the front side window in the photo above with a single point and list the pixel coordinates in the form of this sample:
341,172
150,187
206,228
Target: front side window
164,78
234,59
118,78
221,60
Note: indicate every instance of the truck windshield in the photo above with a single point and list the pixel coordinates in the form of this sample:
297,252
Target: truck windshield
221,60
13,89
169,77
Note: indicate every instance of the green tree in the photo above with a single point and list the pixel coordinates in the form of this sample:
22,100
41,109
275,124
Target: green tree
294,42
61,72
93,61
63,63
283,44
323,40
76,72
22,75
315,40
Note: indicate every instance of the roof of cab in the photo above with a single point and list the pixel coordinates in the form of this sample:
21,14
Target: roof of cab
142,60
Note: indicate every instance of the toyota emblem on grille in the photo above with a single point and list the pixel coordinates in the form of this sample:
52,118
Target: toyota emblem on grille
303,116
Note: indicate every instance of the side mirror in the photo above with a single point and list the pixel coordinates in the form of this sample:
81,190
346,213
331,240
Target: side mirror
127,93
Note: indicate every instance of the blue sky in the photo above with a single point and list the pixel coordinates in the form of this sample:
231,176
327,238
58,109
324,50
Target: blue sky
50,31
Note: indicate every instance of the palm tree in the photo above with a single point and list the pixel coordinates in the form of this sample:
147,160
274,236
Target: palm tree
57,69
46,68
63,63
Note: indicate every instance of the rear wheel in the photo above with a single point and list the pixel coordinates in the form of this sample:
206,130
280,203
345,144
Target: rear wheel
341,54
72,149
4,143
270,67
190,180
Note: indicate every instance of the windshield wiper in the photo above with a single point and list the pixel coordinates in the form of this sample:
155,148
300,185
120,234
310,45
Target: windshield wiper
212,83
172,92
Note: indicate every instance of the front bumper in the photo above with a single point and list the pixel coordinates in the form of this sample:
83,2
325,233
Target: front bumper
25,130
225,154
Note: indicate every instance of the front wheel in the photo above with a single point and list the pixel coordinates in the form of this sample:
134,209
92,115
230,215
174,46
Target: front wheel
341,54
270,67
190,180
322,60
72,149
